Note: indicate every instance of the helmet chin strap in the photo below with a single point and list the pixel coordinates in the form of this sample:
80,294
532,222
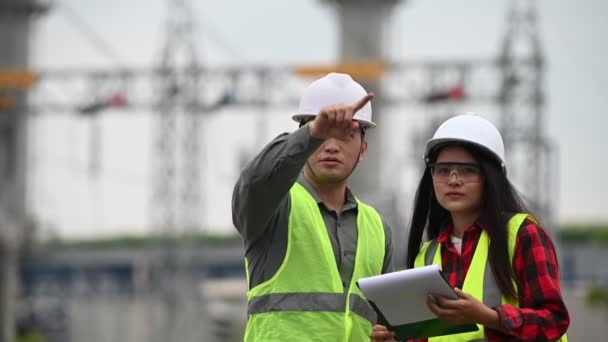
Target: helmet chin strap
343,178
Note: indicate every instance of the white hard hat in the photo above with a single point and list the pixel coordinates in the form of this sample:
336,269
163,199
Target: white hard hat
332,89
470,129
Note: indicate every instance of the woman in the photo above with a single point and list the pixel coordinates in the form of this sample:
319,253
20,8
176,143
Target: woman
501,263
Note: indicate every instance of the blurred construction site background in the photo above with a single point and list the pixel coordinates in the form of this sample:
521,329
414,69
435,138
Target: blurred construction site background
124,125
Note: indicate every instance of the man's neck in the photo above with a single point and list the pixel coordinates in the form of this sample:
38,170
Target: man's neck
332,194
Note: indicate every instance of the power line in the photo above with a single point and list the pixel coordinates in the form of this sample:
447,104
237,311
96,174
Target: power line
92,37
217,38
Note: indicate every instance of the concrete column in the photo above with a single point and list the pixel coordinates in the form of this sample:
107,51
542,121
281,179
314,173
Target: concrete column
363,27
15,20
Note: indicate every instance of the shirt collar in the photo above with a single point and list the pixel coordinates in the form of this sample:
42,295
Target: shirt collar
349,203
446,229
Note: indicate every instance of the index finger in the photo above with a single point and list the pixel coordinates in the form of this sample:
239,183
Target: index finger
364,100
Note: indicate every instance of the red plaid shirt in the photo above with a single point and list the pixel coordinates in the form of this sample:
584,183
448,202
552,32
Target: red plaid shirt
542,315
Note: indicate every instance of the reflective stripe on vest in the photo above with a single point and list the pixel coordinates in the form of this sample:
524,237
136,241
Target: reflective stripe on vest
489,293
305,297
330,302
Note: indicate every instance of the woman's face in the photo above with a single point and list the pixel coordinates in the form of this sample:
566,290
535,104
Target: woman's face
335,159
458,181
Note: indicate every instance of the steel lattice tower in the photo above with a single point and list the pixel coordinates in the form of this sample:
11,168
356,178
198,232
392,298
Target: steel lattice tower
176,202
176,199
522,108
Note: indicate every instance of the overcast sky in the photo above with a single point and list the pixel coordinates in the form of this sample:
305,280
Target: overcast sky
67,199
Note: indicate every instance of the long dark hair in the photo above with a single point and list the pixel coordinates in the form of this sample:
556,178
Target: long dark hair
500,200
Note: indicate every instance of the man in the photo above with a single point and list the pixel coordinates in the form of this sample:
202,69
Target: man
307,238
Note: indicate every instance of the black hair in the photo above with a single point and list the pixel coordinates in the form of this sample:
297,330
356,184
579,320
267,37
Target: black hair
500,201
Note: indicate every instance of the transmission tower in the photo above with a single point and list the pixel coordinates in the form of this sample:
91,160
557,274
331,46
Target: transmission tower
522,100
176,202
176,150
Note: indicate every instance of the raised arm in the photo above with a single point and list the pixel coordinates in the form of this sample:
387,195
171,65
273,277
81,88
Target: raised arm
265,181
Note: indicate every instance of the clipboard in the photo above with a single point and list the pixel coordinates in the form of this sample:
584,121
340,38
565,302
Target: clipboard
399,298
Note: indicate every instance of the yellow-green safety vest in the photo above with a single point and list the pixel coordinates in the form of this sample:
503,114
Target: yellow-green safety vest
305,299
479,283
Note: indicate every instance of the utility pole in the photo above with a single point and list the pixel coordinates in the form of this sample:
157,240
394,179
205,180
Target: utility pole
15,27
522,102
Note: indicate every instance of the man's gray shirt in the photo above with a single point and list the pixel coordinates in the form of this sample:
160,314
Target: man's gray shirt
261,204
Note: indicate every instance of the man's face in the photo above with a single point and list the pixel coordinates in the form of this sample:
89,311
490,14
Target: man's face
334,160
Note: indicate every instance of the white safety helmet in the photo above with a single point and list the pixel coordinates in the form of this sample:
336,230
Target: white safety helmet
332,89
470,129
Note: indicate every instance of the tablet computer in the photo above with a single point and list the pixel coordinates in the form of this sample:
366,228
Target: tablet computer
400,300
